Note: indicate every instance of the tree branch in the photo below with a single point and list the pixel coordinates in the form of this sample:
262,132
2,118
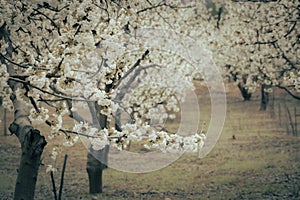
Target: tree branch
291,29
57,69
47,17
132,68
289,92
21,66
161,4
47,92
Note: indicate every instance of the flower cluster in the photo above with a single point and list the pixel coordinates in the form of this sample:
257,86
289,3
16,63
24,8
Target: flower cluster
39,117
293,79
90,52
5,90
175,143
255,43
147,135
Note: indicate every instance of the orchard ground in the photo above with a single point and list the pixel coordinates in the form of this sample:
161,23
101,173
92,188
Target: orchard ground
262,162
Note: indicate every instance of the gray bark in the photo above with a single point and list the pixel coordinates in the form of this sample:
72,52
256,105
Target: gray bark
97,160
245,93
32,146
96,163
32,143
264,98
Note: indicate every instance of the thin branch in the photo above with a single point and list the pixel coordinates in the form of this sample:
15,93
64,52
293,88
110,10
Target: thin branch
36,48
164,19
161,4
137,72
132,68
93,112
287,59
62,177
74,115
21,66
51,100
54,89
22,77
12,62
47,17
22,30
47,92
291,29
32,101
77,30
289,92
53,185
105,9
98,70
82,71
268,42
46,45
57,69
153,7
48,102
49,7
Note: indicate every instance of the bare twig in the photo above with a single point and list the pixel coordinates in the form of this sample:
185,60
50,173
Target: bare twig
289,92
53,185
62,177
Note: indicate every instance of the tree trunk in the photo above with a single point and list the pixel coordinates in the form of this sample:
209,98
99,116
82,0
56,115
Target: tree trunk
96,163
97,160
32,148
32,143
264,98
4,121
246,95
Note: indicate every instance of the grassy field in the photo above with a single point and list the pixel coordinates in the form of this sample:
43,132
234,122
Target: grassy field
262,162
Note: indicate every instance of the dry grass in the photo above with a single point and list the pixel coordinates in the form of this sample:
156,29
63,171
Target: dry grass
263,162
